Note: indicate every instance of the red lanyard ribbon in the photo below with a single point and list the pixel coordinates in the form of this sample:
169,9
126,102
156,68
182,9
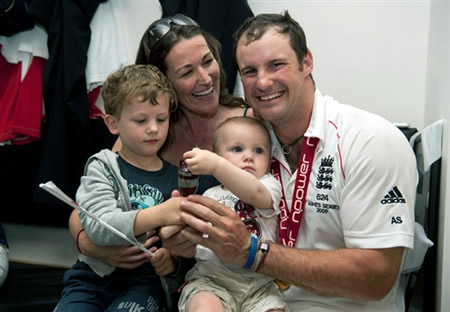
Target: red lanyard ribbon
289,222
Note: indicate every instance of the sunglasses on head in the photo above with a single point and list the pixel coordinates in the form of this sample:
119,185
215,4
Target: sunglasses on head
161,28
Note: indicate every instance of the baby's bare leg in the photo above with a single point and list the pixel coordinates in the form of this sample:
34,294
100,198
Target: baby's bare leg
204,301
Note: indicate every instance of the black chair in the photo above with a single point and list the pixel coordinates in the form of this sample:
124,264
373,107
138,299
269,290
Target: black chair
421,292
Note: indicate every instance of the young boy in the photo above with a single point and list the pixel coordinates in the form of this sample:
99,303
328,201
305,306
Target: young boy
130,190
241,163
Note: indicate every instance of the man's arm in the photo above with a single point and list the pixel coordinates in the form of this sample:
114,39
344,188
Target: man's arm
362,274
238,181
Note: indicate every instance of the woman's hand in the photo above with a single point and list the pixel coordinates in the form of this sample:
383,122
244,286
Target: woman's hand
123,256
227,235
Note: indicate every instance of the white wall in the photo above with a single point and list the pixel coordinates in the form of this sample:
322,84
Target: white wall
371,54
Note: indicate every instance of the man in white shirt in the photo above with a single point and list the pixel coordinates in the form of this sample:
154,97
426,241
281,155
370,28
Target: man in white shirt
348,177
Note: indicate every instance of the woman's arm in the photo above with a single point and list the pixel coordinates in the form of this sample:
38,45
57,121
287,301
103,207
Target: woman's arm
123,256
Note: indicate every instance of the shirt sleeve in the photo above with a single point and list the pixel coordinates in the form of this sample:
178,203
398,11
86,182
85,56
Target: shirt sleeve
274,188
377,203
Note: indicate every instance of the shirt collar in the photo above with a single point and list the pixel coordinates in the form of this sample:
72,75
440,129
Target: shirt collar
316,126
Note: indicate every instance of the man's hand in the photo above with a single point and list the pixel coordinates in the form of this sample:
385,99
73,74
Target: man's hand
173,238
228,237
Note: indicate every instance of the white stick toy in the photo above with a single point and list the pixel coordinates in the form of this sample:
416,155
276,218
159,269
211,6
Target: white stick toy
55,191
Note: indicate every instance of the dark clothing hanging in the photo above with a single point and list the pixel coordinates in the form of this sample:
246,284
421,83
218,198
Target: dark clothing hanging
70,136
14,17
221,18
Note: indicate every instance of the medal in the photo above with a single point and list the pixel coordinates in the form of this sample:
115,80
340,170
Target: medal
282,285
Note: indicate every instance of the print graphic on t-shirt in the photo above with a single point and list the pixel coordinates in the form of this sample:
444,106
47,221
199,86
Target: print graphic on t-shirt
393,196
325,174
144,196
248,215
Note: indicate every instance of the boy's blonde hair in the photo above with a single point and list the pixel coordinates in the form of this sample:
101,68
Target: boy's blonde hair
145,81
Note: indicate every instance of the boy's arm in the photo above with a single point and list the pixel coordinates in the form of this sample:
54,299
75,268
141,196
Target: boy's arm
240,182
166,213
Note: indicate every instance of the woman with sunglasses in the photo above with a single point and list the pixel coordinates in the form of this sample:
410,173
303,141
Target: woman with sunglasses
190,58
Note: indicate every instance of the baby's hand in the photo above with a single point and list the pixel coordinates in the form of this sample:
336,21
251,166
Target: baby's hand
201,161
162,261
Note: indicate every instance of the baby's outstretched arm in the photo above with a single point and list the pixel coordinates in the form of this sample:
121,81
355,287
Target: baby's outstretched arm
240,182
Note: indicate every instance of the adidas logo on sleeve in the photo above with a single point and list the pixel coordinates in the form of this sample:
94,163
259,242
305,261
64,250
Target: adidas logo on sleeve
393,196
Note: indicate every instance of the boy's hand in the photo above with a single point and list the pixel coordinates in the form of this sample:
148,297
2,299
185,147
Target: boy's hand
201,161
172,211
162,261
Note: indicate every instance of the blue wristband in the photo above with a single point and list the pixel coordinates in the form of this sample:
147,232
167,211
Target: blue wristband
252,252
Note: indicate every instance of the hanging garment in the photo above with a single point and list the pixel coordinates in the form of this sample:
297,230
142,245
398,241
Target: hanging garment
14,17
22,60
69,138
106,53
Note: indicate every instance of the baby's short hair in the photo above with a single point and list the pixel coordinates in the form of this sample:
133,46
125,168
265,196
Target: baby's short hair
242,120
